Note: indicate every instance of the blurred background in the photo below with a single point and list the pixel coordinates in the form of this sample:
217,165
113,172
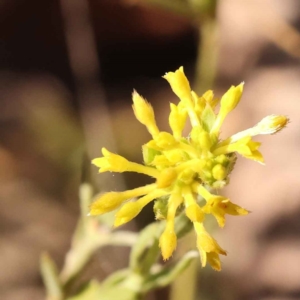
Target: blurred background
67,71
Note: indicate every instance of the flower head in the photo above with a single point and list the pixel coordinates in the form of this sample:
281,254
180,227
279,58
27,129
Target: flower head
185,169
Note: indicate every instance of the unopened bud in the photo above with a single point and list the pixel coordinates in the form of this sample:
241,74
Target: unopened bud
106,203
167,243
231,98
165,140
179,84
144,113
127,213
271,124
219,172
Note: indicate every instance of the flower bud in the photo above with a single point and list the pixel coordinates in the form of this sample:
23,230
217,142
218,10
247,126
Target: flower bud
144,113
177,119
111,162
219,172
179,84
127,212
186,176
175,156
167,243
228,102
106,203
231,98
165,140
199,103
271,124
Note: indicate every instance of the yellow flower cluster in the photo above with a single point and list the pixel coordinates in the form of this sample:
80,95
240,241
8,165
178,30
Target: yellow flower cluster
185,169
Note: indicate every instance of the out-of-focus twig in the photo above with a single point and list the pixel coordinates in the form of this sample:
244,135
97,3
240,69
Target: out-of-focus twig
175,6
91,234
85,66
269,23
50,276
206,64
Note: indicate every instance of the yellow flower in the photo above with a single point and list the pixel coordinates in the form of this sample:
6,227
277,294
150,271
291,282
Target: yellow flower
244,146
179,84
228,102
116,163
177,120
111,162
218,206
208,247
185,168
144,113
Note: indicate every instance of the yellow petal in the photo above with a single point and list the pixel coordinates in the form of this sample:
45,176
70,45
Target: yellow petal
111,162
219,172
194,213
127,212
205,241
214,260
168,239
165,140
106,203
199,103
268,125
177,120
271,124
218,206
228,102
144,113
208,248
166,177
110,201
179,84
231,98
132,209
167,243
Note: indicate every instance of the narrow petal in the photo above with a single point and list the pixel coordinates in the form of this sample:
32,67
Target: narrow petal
132,209
111,162
144,113
112,200
179,84
168,239
208,247
177,120
218,206
228,102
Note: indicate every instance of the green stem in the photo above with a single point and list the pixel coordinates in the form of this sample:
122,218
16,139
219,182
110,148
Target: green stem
175,6
83,250
206,64
188,278
54,289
